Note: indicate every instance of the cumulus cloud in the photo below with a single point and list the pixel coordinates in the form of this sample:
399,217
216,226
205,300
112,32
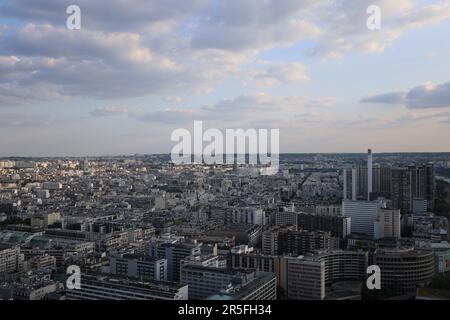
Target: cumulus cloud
425,96
139,48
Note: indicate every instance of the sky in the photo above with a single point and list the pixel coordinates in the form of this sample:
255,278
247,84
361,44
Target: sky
137,70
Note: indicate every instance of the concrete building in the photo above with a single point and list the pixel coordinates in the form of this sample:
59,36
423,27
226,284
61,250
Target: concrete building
302,242
249,234
363,215
404,269
309,276
173,253
305,279
246,216
388,224
139,266
204,282
117,288
11,259
270,239
263,287
338,226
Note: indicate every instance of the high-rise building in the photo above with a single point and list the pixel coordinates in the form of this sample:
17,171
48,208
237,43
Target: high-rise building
410,183
401,185
369,174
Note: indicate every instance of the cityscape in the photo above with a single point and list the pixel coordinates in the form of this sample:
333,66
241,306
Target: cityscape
226,157
141,227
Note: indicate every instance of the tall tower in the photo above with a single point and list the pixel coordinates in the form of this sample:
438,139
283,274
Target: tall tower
369,173
354,183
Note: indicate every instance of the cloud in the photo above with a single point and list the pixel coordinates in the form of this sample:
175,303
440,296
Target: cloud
106,15
141,48
279,73
18,120
109,111
426,96
346,30
249,110
387,98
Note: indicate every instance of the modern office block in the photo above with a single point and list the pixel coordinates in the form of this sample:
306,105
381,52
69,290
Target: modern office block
173,253
139,266
363,215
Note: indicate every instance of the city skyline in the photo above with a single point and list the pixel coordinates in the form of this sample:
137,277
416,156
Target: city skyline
135,72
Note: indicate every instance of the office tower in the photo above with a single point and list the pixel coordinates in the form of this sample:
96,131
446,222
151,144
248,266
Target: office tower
338,226
344,175
139,266
302,242
388,224
404,269
363,215
354,184
173,253
410,183
381,182
204,282
401,185
118,288
350,177
369,174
